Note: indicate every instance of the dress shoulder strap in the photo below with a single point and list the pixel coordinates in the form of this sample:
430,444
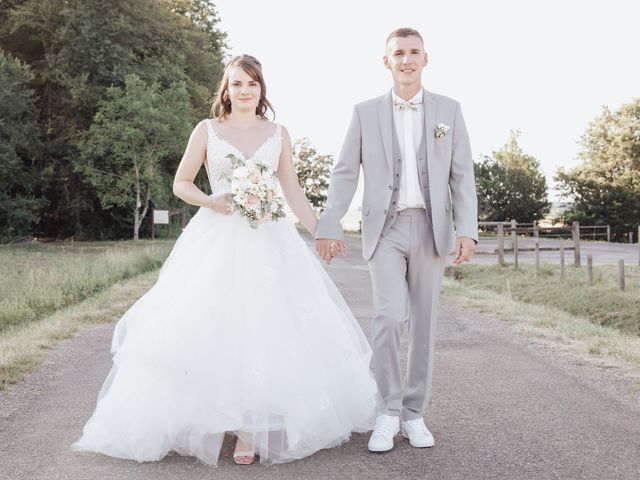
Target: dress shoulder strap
210,130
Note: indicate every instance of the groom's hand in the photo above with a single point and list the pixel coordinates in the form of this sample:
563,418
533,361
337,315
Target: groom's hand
328,248
465,248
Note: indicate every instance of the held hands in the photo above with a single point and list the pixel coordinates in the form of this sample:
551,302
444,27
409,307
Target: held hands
328,248
220,204
465,248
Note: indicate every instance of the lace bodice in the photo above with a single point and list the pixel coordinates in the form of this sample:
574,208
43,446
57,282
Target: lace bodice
220,166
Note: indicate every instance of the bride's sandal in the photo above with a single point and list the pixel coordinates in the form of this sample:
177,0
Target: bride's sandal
244,456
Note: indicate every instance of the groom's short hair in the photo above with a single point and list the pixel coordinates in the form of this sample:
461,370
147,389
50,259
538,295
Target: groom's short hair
404,32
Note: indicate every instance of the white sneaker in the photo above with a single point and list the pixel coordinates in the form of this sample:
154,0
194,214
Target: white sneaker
386,428
418,434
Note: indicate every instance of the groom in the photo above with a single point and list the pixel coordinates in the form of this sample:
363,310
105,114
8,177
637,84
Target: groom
418,173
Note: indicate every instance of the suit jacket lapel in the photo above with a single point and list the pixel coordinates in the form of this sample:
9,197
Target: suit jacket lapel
430,125
385,117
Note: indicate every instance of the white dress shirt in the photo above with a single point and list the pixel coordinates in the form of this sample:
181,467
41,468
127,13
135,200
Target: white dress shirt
409,125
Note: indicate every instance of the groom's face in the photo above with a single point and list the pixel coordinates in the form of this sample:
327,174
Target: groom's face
405,57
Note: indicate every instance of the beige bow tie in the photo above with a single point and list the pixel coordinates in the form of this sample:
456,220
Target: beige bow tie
402,104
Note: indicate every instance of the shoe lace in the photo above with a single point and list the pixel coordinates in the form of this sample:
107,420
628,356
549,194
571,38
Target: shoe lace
384,426
419,426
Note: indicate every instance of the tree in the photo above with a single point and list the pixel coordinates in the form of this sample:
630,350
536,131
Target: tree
313,170
510,185
19,139
135,128
77,50
605,188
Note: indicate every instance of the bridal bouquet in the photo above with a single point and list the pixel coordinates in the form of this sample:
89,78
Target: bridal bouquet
253,192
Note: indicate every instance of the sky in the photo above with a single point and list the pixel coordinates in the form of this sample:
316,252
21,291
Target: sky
544,67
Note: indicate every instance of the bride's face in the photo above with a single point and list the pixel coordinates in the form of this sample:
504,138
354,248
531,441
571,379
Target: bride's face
244,91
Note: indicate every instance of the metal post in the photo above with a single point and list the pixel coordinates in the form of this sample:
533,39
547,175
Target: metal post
514,225
621,274
590,269
501,245
609,233
537,255
535,229
576,243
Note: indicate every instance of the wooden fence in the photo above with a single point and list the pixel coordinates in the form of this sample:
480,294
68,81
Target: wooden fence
513,230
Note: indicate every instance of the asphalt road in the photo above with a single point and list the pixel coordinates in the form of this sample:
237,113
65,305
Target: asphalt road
501,408
603,253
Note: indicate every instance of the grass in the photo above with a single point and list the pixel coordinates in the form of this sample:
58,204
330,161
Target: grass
603,346
39,279
23,347
601,303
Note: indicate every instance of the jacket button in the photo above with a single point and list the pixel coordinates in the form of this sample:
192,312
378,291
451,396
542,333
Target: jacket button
395,189
397,174
394,202
390,187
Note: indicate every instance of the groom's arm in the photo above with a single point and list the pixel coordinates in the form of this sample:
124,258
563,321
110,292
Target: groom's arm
463,191
343,183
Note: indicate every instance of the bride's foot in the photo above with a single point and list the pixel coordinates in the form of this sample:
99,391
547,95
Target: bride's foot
243,454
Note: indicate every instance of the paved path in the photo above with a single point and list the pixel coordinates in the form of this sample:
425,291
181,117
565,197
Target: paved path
603,253
500,409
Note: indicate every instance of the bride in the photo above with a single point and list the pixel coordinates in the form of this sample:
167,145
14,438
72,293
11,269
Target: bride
243,332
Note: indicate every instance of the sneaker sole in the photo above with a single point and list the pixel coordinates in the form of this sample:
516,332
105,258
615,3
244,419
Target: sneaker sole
419,446
381,451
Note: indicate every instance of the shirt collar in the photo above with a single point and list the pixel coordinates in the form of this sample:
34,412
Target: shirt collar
417,98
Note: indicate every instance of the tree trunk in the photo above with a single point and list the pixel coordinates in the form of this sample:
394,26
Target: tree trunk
136,224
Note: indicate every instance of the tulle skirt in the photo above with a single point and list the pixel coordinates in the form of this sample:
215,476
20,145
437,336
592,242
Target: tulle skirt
243,332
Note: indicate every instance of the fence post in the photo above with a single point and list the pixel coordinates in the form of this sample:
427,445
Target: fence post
514,242
621,274
536,248
535,229
576,243
501,245
561,258
608,233
590,269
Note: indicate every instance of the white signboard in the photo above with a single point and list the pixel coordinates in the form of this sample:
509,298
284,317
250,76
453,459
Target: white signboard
161,217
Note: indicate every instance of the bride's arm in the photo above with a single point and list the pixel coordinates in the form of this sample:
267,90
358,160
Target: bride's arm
293,194
183,186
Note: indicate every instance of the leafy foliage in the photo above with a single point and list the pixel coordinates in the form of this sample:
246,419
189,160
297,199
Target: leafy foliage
18,145
605,188
510,185
313,171
77,50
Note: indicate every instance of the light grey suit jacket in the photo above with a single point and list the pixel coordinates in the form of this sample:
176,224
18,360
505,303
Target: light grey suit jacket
446,174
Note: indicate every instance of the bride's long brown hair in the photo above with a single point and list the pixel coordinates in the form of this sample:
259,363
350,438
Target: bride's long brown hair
221,107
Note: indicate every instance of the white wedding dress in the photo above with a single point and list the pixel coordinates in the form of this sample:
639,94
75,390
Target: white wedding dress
243,332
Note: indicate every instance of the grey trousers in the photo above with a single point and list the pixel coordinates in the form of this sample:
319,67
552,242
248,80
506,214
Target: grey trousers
406,276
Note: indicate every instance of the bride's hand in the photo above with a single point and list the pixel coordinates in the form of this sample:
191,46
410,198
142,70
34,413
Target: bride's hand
220,204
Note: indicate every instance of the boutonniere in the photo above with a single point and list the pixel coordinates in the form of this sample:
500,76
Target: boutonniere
441,130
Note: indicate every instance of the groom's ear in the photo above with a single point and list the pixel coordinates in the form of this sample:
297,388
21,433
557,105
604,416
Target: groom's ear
385,60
